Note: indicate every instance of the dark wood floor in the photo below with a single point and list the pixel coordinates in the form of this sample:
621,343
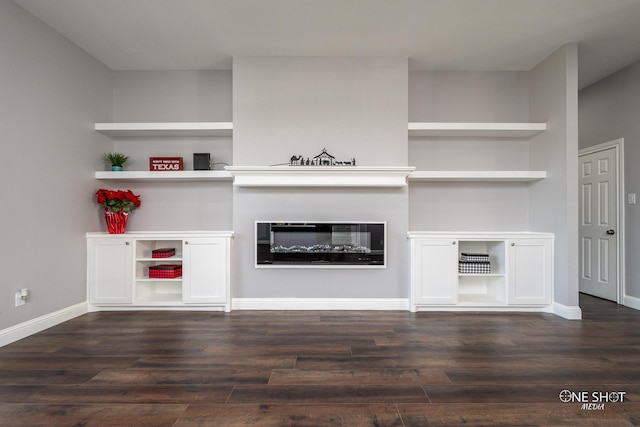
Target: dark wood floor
325,368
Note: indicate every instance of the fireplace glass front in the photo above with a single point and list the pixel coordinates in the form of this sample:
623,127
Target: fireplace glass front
320,244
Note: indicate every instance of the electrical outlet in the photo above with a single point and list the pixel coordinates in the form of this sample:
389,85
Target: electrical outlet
19,300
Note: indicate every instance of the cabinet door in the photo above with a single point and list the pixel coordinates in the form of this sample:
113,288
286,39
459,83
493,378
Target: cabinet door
110,270
205,270
530,271
434,271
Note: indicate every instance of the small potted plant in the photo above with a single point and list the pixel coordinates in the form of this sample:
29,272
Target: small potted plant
117,160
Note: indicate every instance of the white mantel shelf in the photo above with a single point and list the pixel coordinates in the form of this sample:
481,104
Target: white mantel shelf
165,129
319,176
165,175
501,130
477,175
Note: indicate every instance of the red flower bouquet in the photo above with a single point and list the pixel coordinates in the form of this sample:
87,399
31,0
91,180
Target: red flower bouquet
117,204
117,200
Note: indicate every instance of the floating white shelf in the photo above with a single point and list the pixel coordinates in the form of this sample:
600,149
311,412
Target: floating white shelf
165,176
502,130
319,176
477,175
166,129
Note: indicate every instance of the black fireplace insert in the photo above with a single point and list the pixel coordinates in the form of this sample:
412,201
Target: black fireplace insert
320,243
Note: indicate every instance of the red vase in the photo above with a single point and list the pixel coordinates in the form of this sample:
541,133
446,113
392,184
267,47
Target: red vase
116,221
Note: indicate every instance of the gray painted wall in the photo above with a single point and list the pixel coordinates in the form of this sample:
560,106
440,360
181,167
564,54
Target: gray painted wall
52,92
437,96
175,96
355,107
609,109
468,96
554,100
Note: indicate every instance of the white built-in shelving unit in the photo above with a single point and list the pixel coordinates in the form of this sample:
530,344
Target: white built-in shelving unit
165,129
269,176
479,132
520,277
118,270
476,130
319,176
477,175
521,262
165,175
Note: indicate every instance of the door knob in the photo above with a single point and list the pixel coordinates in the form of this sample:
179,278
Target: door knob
611,232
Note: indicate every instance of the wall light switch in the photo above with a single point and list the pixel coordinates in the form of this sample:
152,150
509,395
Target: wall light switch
631,198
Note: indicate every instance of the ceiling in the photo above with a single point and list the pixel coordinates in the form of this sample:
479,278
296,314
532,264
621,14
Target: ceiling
483,35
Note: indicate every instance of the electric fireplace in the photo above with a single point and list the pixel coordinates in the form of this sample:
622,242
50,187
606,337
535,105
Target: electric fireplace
317,244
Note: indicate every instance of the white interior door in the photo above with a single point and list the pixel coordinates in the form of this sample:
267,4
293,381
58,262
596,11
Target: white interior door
598,200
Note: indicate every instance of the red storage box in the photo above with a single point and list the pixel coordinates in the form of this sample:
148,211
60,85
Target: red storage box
163,252
165,271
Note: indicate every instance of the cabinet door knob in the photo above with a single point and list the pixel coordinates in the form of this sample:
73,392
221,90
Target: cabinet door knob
126,243
186,242
513,244
453,243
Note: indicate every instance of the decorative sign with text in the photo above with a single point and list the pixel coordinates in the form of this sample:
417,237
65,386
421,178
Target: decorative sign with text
165,163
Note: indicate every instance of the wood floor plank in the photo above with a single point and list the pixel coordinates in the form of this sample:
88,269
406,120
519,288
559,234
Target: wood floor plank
103,415
407,361
510,414
350,376
18,393
45,360
279,350
58,394
215,377
291,415
521,375
327,394
214,362
46,376
499,393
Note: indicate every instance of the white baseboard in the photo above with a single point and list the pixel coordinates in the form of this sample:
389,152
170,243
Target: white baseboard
320,304
631,302
33,326
480,309
566,311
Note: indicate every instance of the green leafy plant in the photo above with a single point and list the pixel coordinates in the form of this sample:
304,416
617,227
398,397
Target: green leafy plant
117,200
115,159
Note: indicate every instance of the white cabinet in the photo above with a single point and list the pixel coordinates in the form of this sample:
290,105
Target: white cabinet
109,270
206,280
519,274
194,276
434,271
530,262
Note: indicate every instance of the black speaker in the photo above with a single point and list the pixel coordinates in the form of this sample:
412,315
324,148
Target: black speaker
201,161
